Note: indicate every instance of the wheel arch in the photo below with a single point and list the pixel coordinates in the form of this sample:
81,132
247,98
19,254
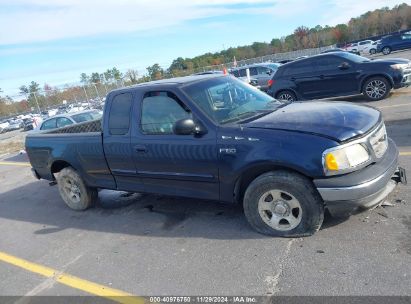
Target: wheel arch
387,77
251,173
59,165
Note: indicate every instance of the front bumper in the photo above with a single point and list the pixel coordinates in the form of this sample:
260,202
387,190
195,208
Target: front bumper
365,188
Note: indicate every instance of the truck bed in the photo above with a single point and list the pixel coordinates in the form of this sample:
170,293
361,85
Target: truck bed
80,146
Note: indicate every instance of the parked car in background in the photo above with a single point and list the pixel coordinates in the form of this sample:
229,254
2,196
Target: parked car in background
262,72
14,124
28,124
339,74
371,48
3,126
63,120
394,43
363,45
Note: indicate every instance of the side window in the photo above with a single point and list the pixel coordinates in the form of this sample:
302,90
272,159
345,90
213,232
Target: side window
242,72
160,110
235,73
253,71
49,124
119,119
263,71
63,121
302,67
328,63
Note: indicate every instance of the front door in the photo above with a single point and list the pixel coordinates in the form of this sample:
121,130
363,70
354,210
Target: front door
182,165
335,76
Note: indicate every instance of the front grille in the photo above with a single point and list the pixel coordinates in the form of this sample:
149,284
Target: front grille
379,141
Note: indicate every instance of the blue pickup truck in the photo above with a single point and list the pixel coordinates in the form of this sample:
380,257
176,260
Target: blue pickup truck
217,138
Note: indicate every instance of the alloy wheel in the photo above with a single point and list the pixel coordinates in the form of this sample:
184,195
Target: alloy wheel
280,210
376,89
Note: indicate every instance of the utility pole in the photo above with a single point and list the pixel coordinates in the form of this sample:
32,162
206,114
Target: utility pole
85,93
37,103
98,95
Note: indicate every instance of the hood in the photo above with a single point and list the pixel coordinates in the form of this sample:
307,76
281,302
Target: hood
338,121
391,61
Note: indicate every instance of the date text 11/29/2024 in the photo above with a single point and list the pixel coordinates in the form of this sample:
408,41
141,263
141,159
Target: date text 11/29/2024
203,299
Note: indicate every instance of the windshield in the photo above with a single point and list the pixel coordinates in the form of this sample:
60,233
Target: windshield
227,99
82,117
353,57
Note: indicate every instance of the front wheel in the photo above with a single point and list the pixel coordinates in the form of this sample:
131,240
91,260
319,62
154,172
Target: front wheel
285,204
286,96
373,51
376,88
73,190
386,50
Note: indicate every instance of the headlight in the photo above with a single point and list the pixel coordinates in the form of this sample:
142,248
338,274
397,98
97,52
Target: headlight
399,66
340,159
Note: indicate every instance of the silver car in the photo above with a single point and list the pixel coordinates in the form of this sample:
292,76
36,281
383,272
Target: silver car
67,119
262,72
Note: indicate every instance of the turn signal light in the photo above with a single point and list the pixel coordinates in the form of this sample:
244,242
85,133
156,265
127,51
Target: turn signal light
331,162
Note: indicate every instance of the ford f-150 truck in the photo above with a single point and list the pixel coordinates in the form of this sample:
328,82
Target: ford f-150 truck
217,138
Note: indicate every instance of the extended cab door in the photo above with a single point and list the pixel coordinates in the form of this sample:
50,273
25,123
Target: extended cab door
116,141
182,165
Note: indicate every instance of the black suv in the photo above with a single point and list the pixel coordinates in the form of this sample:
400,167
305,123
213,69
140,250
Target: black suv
339,74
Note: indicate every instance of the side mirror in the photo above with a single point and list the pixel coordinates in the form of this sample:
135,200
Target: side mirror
269,72
344,66
187,126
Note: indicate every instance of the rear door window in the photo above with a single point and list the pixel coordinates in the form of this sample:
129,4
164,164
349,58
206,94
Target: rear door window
63,121
119,119
49,124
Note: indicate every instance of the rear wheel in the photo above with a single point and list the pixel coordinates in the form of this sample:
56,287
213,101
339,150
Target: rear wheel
285,204
376,88
73,190
286,96
386,50
373,51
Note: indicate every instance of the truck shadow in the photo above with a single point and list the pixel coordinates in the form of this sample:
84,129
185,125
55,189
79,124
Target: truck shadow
130,213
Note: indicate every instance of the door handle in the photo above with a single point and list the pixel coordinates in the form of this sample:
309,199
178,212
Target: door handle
321,76
140,148
293,78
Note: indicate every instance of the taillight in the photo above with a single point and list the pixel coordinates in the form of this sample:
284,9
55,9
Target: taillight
270,82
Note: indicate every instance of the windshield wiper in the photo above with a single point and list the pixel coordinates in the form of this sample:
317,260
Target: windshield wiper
239,116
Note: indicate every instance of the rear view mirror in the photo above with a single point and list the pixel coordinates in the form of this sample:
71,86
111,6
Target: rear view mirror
269,72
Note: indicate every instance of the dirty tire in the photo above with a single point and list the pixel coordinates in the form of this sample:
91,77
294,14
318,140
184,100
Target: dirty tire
376,88
290,185
286,96
73,191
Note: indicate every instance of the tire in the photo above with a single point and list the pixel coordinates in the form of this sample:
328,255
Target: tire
73,190
286,96
373,51
386,50
376,88
283,204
